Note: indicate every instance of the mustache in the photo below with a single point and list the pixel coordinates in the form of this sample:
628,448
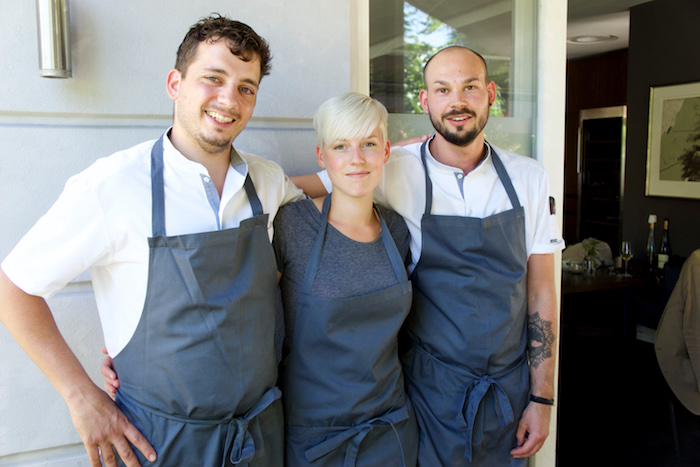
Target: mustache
457,112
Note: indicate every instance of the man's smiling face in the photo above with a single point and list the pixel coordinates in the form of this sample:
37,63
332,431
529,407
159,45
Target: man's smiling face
214,98
457,95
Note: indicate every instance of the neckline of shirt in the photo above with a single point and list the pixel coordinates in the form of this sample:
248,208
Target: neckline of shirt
176,159
450,169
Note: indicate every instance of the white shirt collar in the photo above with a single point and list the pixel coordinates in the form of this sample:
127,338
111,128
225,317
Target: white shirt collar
448,168
177,160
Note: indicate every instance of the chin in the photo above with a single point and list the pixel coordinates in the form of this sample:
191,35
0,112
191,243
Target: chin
216,145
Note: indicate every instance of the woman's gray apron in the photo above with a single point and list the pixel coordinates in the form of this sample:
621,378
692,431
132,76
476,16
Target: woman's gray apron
343,385
198,376
466,371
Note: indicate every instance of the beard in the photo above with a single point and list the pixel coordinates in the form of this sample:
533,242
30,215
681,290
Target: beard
213,144
210,139
459,138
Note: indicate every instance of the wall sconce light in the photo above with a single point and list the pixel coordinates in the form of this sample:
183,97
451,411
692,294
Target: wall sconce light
54,38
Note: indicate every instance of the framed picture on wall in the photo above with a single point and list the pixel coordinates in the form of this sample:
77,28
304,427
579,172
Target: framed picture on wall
673,150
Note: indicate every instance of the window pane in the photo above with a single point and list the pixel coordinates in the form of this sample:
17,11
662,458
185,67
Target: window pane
404,35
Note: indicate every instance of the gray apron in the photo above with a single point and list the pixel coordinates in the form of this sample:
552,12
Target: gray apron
466,370
343,384
198,376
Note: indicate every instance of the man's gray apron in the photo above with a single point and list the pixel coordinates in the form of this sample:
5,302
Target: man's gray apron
343,384
466,370
198,376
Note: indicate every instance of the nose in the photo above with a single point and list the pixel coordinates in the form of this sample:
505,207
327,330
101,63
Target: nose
227,97
460,102
356,155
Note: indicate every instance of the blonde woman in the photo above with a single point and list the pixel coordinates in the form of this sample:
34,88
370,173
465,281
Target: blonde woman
346,294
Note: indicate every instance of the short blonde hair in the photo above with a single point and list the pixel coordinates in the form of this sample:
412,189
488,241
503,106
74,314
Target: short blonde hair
349,116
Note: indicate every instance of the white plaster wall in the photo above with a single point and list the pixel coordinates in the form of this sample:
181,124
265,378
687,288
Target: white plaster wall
551,106
51,129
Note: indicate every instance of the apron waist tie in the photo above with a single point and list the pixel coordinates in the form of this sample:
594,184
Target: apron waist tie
357,434
474,394
240,446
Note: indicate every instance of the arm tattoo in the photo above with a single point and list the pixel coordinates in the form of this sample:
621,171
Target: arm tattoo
540,339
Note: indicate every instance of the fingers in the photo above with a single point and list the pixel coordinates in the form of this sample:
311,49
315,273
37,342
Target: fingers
140,442
104,451
93,453
111,382
126,454
529,448
103,427
118,444
108,456
110,388
532,431
521,434
106,368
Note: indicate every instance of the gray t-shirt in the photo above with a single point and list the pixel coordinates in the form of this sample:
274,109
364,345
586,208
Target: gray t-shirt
347,268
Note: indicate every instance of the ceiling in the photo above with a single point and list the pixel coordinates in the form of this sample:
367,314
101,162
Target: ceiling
602,18
489,22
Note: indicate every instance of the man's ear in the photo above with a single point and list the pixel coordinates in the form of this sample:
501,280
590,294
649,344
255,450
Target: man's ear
319,158
173,83
491,88
423,99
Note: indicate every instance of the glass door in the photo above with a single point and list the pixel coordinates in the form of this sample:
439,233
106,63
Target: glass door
404,35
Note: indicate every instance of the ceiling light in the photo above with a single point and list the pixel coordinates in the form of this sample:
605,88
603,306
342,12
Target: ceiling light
590,39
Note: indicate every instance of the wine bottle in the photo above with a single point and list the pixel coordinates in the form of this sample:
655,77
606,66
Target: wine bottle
664,247
651,244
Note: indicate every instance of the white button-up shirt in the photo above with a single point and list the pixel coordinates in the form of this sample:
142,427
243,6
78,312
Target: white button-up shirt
102,221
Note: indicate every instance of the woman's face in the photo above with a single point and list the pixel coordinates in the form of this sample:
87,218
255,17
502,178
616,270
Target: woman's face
355,166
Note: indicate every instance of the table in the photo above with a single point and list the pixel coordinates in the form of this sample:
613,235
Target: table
600,356
601,280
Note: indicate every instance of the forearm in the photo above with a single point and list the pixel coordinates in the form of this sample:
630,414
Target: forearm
310,184
542,325
31,324
542,350
101,426
533,427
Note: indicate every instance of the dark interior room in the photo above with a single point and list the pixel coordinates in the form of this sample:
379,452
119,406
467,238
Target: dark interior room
613,398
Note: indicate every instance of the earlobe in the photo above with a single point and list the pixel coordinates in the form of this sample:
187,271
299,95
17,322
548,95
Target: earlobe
173,83
492,92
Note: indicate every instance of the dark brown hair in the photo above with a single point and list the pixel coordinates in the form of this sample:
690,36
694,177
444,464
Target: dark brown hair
240,38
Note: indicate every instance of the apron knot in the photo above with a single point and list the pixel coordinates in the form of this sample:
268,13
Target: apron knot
356,434
473,395
239,442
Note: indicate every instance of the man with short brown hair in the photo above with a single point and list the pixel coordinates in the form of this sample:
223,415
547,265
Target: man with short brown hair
177,234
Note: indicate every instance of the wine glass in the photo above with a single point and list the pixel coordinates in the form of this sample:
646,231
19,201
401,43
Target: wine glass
626,254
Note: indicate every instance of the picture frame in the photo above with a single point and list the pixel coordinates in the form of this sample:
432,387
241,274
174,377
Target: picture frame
673,149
